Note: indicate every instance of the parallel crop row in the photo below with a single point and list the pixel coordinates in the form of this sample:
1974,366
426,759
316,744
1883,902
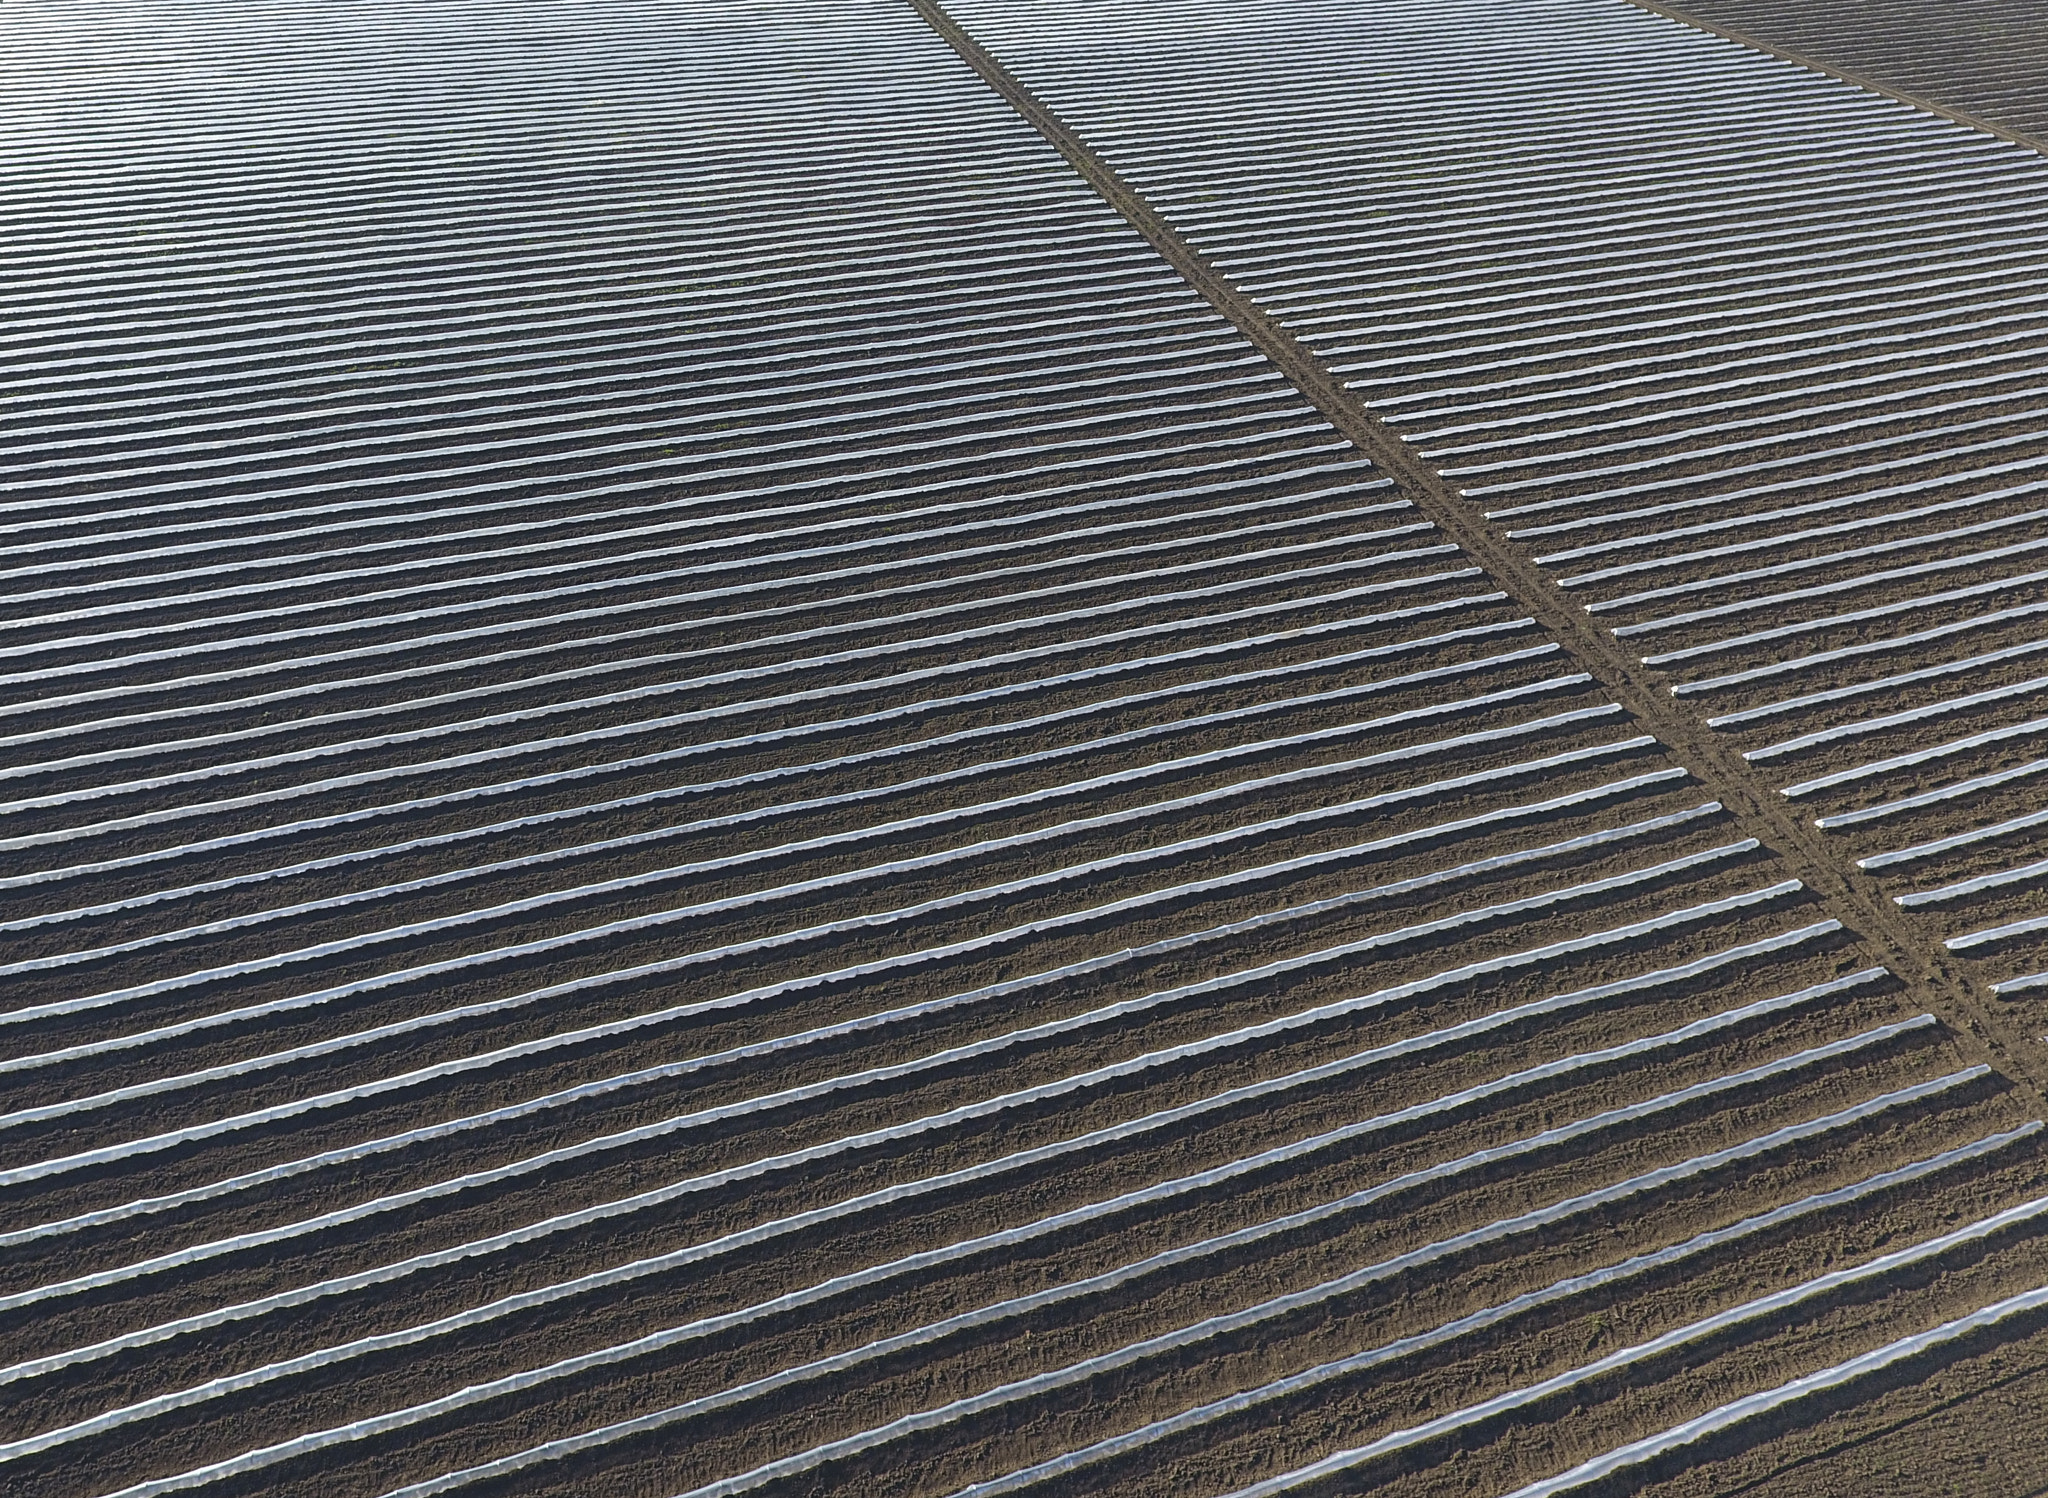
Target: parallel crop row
1986,58
1749,360
702,791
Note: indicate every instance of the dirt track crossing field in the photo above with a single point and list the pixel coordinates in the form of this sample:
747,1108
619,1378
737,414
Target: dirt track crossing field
1693,330
706,791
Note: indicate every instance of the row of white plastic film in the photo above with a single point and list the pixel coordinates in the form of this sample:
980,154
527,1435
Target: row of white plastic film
703,790
1751,361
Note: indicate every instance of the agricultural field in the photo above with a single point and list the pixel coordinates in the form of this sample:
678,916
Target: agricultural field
1983,58
759,748
1746,364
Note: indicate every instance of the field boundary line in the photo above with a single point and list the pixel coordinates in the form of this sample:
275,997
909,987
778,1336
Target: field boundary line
1844,75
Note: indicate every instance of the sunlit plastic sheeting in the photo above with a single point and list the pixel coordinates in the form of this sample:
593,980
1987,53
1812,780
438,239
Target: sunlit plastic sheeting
1156,1194
134,1147
1534,957
1361,1362
1763,1309
1167,1259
